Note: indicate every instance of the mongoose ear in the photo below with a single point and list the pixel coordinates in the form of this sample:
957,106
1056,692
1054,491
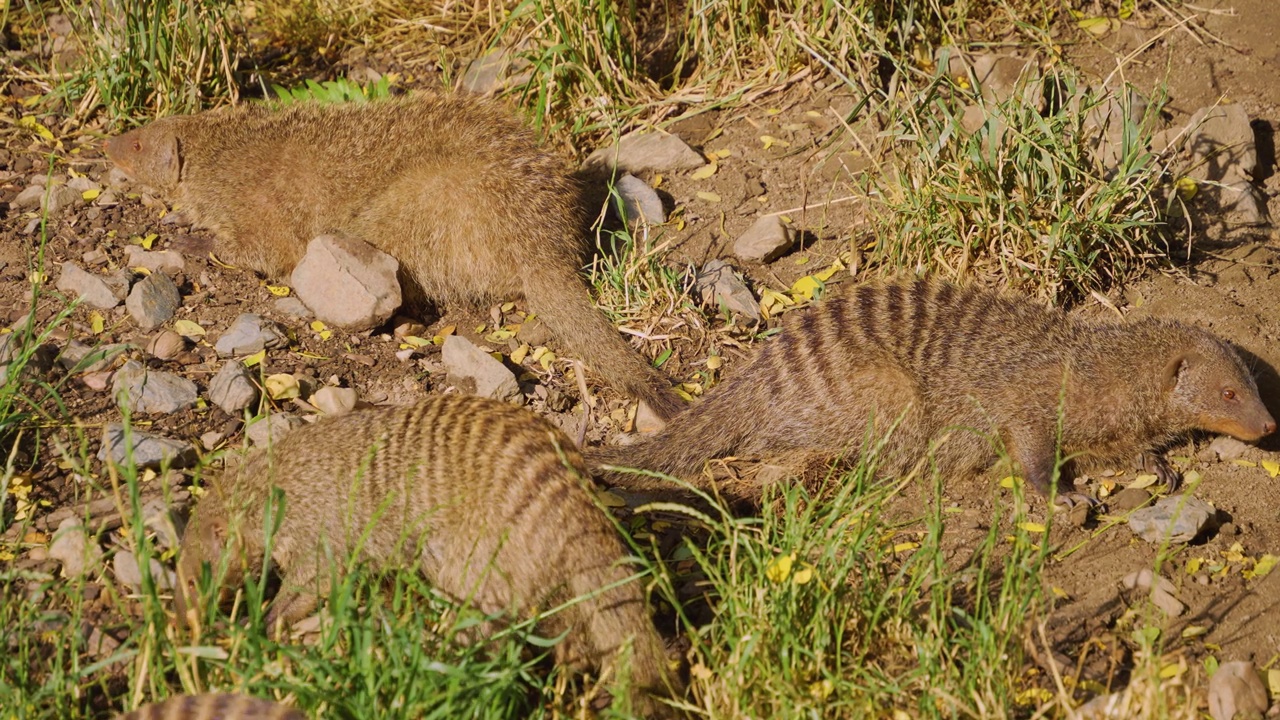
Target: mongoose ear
1174,369
169,159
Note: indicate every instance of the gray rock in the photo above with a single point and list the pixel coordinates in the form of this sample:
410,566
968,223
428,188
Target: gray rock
127,572
647,152
149,450
1000,76
153,301
718,284
51,202
83,184
1236,692
334,400
292,308
167,261
768,239
1177,519
73,547
1128,499
233,389
474,371
152,391
347,282
1222,139
166,344
1161,592
1225,159
92,289
1227,448
640,203
77,357
248,334
492,71
271,429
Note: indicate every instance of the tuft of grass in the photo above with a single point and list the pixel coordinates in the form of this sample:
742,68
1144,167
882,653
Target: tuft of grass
1027,195
154,58
827,608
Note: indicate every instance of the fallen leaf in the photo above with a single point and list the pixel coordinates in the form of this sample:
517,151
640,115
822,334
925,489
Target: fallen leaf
769,141
1264,566
188,329
704,172
1144,481
905,546
255,358
1244,463
282,386
96,323
610,499
1271,466
1192,631
91,194
1009,482
806,288
1032,527
1098,26
518,355
802,576
708,196
29,122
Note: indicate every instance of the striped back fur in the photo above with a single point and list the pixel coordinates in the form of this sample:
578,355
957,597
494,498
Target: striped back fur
214,707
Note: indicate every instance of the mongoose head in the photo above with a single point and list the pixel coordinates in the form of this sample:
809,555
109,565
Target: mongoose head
206,539
1212,389
151,155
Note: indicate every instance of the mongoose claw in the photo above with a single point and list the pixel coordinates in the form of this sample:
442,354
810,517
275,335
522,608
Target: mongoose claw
1162,469
1071,500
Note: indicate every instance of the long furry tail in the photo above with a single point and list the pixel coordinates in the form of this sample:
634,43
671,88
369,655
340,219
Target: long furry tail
680,450
565,306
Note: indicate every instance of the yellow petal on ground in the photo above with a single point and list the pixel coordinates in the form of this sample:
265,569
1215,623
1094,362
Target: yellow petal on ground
708,196
1265,565
279,290
326,334
1009,482
29,122
1098,26
714,362
704,172
905,546
255,358
1192,631
830,272
445,332
723,153
1031,527
802,576
769,141
91,194
1244,463
1172,670
96,323
773,302
806,287
317,325
1193,565
657,181
282,386
1271,466
779,568
518,355
1273,681
188,329
1143,481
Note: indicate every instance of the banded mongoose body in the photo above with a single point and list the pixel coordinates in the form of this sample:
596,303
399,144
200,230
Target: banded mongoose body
936,359
453,187
489,501
214,707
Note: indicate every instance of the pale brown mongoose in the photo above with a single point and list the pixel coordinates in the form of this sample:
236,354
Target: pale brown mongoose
969,364
490,501
213,707
453,187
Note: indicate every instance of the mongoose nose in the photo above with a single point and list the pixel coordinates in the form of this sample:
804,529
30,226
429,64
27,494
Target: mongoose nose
1268,427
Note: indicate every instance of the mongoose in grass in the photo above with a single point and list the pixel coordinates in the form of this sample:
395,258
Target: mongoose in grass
490,502
213,707
453,187
936,359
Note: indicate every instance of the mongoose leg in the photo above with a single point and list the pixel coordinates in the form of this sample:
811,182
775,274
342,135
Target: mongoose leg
1157,464
300,592
1036,456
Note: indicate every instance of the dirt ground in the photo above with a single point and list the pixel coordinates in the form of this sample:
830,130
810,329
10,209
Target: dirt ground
1232,287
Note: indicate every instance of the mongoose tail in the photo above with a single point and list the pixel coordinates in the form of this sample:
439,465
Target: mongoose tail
566,307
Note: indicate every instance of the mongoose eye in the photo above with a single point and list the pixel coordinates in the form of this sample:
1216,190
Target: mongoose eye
1228,394
137,146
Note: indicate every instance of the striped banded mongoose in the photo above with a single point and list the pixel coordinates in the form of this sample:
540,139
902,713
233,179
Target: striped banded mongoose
489,501
214,707
453,187
969,363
